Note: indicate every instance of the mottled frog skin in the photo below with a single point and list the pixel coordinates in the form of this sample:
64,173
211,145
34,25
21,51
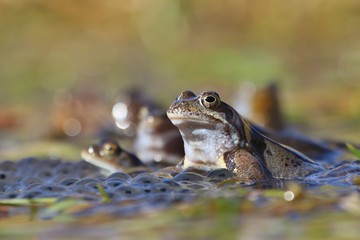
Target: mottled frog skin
108,155
216,136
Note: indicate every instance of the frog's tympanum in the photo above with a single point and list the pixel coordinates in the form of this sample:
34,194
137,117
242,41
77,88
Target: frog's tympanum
216,136
157,139
108,155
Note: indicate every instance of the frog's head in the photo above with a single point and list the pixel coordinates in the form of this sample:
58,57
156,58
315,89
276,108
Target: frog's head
104,153
209,128
105,149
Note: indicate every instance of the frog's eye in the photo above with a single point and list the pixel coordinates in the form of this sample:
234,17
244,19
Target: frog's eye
210,100
110,149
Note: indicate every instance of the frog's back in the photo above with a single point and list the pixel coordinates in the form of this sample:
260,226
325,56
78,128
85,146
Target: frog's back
282,161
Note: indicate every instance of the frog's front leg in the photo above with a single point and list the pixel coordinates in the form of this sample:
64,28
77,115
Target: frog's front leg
246,166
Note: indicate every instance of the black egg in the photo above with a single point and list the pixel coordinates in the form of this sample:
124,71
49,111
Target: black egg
188,176
220,174
145,179
122,175
69,181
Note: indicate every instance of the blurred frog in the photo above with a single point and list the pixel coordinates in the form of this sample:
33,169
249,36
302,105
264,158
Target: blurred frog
263,107
157,140
260,105
126,111
109,156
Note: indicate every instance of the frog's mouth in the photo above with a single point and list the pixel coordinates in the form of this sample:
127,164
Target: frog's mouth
188,120
184,120
90,151
187,126
92,156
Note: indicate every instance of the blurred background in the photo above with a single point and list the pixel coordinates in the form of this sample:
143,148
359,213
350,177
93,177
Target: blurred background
80,55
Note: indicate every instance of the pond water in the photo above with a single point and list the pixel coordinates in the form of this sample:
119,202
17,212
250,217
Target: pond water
171,201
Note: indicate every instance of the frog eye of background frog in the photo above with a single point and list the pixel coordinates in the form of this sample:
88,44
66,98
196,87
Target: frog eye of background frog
110,149
210,100
185,95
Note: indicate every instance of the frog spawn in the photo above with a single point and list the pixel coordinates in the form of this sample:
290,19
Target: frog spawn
33,178
135,192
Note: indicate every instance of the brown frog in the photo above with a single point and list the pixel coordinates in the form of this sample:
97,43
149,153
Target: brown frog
126,110
216,136
108,155
158,140
262,107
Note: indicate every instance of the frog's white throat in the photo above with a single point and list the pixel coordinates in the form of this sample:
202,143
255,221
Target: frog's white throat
205,144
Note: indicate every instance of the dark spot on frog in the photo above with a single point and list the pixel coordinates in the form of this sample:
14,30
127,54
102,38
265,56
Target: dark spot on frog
230,164
268,152
286,165
258,144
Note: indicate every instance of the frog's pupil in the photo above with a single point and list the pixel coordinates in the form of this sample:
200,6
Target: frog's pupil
108,147
210,99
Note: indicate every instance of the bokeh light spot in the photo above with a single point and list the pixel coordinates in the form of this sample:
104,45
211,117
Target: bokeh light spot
289,196
72,127
120,111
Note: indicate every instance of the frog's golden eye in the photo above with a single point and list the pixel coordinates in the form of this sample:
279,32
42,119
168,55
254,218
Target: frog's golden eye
210,100
110,149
